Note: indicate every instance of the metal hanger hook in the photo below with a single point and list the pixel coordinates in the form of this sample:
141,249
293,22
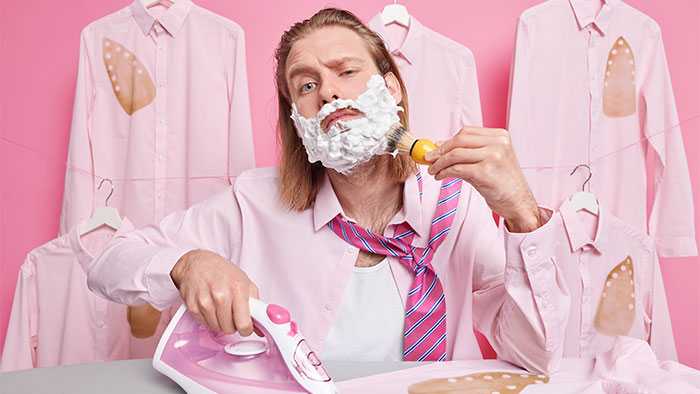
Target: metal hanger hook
590,175
111,190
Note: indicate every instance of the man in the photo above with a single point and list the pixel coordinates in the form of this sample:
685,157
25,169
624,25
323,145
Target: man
374,261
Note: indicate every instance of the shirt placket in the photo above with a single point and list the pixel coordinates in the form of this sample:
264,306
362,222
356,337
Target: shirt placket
596,95
161,39
101,329
586,334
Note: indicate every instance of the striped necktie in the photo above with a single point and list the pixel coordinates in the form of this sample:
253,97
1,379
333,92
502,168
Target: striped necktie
425,319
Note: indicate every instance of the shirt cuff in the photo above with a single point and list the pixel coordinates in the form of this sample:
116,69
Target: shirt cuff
531,255
159,284
536,246
676,246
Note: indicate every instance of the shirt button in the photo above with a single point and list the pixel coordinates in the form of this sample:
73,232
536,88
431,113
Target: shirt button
328,307
100,324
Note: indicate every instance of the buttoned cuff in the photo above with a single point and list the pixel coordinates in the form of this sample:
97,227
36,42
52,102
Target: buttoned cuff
532,255
534,247
160,285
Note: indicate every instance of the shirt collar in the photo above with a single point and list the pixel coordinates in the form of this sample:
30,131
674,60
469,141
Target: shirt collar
585,15
327,206
410,47
85,257
172,20
577,235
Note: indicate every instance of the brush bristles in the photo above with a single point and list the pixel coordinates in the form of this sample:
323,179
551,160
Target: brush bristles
400,139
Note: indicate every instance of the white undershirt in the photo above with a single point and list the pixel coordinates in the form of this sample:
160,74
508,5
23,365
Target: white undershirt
369,323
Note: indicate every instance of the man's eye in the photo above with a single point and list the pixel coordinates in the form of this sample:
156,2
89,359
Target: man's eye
307,87
348,72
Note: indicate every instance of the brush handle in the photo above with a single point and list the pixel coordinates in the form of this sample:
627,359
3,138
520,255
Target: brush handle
419,148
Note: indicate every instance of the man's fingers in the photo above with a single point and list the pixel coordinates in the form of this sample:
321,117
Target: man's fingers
241,313
462,141
456,156
224,313
463,171
208,312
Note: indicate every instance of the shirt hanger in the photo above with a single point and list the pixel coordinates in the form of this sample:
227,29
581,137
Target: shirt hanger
151,3
396,13
584,200
103,216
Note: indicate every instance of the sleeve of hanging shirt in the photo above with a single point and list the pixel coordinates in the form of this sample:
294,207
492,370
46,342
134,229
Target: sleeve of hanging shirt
241,148
518,101
78,187
672,220
469,97
520,299
21,337
661,333
135,266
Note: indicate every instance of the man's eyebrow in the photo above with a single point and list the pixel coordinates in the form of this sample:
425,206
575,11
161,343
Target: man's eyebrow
300,69
344,60
296,70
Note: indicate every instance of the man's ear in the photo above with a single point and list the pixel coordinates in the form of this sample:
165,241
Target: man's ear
392,83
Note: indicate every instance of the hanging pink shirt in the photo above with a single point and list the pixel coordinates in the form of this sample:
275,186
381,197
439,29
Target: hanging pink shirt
297,261
587,88
55,320
615,283
449,99
161,108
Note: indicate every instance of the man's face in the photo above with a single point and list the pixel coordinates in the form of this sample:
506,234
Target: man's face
331,63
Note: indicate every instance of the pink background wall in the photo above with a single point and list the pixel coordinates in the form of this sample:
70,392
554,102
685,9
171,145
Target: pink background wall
38,59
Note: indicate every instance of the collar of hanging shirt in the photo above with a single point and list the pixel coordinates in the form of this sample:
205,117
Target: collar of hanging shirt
158,18
592,13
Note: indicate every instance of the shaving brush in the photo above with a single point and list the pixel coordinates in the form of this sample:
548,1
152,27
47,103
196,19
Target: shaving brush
405,143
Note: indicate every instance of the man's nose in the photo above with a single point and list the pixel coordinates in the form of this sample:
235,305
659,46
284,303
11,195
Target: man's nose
329,92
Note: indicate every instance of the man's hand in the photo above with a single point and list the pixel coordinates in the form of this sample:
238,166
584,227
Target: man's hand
215,291
485,158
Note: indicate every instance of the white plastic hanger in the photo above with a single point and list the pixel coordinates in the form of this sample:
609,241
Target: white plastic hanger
584,200
151,3
396,13
103,216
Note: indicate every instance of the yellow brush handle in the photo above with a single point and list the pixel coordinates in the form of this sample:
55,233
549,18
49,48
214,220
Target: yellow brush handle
420,148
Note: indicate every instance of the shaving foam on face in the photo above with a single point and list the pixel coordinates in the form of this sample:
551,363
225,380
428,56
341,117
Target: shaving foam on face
349,143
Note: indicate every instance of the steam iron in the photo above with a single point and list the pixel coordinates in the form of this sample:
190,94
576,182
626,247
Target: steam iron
203,361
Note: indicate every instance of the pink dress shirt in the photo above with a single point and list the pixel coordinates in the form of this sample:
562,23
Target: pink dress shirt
629,367
297,261
161,108
590,262
447,101
55,320
586,89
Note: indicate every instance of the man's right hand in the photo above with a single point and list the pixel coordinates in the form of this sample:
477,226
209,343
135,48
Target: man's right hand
215,291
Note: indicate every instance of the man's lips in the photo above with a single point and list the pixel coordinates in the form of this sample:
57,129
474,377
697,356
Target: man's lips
341,114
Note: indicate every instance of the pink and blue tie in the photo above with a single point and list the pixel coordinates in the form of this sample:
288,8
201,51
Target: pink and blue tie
425,321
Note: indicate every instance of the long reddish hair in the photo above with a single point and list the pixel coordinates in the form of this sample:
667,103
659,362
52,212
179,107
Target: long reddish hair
299,179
